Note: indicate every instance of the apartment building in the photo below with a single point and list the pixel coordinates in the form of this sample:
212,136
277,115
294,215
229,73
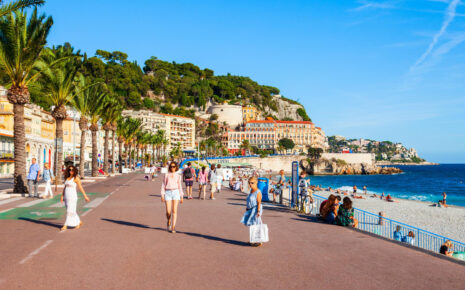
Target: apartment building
250,113
319,139
300,132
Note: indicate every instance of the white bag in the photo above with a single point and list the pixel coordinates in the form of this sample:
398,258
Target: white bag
258,233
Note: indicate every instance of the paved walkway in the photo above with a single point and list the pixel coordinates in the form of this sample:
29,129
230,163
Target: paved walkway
123,244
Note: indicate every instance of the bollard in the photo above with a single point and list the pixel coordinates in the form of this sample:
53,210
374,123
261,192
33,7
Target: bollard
382,215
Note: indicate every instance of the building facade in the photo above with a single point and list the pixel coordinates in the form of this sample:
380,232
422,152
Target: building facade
250,113
319,139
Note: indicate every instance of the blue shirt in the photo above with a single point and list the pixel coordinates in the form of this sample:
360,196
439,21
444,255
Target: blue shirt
398,236
48,174
33,171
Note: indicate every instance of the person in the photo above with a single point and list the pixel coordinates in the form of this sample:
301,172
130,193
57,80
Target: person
345,214
219,177
48,178
355,191
202,179
69,196
389,198
279,186
446,249
382,196
304,185
444,197
171,195
33,178
253,213
188,176
409,239
326,200
212,180
365,190
330,209
398,234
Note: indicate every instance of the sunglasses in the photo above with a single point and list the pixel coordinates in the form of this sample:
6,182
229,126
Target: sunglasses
252,182
173,166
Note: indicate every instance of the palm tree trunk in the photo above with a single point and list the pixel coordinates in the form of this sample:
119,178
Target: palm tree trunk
105,151
82,153
120,156
129,163
59,151
20,150
94,154
113,151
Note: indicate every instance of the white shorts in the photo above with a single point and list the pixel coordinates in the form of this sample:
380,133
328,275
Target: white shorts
172,195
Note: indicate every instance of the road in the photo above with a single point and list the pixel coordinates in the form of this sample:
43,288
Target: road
123,244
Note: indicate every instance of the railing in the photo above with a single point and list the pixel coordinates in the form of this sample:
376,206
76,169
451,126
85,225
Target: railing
385,227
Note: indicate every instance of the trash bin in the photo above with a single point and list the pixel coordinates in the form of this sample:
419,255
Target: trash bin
263,186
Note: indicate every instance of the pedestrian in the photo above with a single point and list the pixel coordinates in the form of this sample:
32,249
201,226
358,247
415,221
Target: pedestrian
444,197
202,180
212,179
219,177
253,213
33,178
171,194
48,178
365,190
69,196
279,187
188,176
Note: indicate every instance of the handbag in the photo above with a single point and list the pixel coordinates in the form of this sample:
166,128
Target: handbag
258,233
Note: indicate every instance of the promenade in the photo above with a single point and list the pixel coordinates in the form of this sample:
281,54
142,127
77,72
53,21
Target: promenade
123,244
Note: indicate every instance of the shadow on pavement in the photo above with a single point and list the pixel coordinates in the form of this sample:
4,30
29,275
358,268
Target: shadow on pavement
218,239
42,222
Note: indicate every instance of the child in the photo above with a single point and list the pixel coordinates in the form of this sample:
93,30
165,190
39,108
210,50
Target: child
398,234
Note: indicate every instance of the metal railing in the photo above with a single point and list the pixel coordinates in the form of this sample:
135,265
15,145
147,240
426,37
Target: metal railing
385,227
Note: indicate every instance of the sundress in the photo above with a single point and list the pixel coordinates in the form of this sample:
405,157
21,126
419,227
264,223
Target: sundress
250,216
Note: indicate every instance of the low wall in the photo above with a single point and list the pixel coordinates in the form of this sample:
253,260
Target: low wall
274,163
352,158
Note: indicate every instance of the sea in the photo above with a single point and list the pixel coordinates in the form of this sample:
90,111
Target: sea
423,183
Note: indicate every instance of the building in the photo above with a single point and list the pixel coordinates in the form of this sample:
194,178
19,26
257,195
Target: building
231,115
319,139
178,129
261,134
40,135
250,113
235,139
298,131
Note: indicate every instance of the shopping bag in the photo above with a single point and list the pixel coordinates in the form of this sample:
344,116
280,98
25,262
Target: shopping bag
258,233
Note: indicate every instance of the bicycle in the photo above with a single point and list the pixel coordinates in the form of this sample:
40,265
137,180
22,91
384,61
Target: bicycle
305,204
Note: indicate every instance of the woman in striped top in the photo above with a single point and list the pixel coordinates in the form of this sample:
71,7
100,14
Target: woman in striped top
171,194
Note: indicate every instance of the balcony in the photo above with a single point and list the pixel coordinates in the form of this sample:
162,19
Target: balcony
7,155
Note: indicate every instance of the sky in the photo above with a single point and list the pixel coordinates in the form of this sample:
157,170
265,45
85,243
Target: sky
384,70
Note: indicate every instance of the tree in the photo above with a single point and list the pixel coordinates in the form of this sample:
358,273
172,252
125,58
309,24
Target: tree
58,83
111,111
286,143
98,96
314,153
245,146
17,5
22,42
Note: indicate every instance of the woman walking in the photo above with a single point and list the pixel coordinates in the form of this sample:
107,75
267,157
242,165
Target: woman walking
48,178
202,180
253,213
171,194
212,179
70,198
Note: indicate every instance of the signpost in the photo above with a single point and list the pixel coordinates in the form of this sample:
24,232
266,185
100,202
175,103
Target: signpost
295,181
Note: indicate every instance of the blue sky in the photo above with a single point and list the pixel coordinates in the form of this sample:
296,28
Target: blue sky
386,70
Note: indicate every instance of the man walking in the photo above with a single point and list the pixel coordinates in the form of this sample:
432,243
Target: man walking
33,178
188,175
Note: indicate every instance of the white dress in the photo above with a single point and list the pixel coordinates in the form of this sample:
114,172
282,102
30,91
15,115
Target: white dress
72,218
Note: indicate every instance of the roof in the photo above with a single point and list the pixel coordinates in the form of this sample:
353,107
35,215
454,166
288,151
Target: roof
294,122
169,115
6,135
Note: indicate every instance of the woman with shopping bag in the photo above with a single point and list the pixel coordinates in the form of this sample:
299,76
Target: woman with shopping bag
252,217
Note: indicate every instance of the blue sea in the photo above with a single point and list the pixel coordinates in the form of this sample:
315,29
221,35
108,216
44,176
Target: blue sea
424,183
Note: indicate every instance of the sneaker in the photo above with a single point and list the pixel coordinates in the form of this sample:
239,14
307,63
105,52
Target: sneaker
213,198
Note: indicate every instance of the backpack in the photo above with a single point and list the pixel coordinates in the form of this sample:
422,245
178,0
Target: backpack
188,173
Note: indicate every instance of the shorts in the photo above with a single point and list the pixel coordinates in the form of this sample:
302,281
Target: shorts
189,182
172,194
202,183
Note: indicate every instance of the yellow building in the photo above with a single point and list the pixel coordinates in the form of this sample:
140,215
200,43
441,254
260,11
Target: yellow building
318,138
250,113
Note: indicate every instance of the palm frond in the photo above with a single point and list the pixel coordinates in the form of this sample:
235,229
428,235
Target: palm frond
16,5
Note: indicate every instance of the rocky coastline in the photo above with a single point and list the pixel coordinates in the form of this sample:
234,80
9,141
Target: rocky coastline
388,163
337,167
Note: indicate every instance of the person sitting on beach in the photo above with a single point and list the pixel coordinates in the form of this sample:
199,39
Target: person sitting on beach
345,214
381,196
374,195
409,239
446,249
232,181
389,198
398,234
329,210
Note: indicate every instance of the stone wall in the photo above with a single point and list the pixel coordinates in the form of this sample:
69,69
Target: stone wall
351,158
274,163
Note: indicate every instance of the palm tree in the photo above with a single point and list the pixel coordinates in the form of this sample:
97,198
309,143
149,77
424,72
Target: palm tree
246,146
17,5
59,83
110,115
22,42
98,96
83,101
134,126
121,129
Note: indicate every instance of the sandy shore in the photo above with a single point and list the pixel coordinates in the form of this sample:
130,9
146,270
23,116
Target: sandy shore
449,222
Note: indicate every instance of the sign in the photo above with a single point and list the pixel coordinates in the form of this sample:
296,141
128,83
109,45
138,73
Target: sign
295,181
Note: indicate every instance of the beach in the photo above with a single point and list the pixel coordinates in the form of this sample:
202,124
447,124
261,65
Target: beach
448,222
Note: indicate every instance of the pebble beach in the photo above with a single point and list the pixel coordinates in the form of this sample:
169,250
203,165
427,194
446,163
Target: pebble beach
449,222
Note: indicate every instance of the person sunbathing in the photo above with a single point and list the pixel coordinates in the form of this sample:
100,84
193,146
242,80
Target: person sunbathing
446,249
390,199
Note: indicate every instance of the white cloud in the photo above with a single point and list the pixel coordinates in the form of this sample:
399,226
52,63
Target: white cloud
364,5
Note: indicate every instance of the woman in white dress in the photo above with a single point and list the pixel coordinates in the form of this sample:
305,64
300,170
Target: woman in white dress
70,197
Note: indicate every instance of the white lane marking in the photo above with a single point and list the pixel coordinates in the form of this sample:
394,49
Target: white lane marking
84,214
58,204
8,200
96,202
31,203
36,252
6,210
